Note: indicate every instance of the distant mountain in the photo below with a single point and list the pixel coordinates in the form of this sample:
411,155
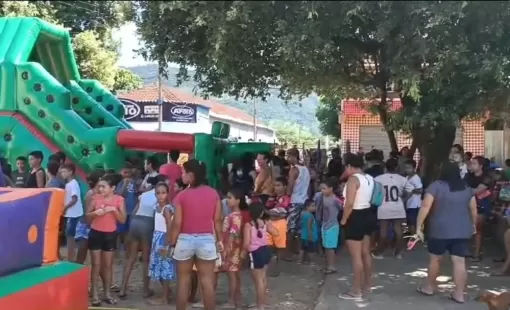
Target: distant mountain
273,109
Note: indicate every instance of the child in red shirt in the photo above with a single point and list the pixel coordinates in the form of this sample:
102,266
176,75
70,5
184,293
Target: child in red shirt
278,216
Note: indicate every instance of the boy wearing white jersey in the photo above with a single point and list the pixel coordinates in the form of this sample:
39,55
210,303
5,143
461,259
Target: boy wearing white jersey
413,190
392,212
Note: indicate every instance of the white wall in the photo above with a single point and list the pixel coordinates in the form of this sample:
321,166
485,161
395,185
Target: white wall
245,131
204,125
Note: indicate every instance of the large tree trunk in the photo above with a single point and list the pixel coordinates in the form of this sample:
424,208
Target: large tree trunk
382,110
435,150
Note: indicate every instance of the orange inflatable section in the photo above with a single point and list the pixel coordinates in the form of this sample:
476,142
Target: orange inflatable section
54,212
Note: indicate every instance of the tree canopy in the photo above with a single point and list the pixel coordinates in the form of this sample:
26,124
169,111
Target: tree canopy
446,60
91,24
327,114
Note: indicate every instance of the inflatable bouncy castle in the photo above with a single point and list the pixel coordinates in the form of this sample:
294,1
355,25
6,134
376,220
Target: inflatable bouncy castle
31,277
46,105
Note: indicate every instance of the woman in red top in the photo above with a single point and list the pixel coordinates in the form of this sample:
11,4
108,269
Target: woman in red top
103,213
196,226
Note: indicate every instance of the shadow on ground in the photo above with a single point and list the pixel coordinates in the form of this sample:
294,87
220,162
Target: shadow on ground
396,281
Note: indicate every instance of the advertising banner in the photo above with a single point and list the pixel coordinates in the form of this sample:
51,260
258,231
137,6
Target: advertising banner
149,111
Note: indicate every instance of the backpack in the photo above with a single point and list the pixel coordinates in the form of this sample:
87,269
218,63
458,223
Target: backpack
377,194
504,193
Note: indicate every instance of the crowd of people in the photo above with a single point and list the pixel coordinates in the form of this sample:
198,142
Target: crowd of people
271,209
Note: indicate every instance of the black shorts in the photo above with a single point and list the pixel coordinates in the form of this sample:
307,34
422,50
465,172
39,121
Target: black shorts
456,247
260,258
360,223
412,216
102,241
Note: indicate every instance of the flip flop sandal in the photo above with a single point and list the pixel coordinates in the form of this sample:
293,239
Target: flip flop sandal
122,296
456,300
197,305
110,301
330,271
421,291
349,296
95,303
114,288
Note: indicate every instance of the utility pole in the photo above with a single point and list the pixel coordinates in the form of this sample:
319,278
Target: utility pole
160,101
254,120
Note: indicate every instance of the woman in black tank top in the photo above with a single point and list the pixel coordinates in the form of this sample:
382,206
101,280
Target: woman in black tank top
32,179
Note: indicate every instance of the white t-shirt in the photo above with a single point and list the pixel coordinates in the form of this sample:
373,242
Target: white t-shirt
73,189
393,188
147,202
145,185
412,184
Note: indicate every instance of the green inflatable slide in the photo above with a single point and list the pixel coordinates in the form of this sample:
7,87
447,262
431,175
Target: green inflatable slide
45,105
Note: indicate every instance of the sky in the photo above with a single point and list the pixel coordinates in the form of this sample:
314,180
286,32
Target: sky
127,35
129,39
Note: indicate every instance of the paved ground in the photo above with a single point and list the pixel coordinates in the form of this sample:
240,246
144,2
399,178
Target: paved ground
396,281
297,288
302,287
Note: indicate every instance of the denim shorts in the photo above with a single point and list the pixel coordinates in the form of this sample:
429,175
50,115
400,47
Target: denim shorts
71,223
201,246
456,247
82,231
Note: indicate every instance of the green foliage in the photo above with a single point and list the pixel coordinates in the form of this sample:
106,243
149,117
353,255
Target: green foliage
327,114
39,9
79,16
90,24
126,80
448,60
291,134
96,62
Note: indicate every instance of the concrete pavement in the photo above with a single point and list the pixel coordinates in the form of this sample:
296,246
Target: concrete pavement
395,284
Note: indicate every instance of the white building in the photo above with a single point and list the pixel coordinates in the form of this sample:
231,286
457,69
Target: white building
185,113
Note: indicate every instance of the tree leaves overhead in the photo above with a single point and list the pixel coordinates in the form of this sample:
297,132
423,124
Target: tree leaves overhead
94,58
448,60
91,24
327,114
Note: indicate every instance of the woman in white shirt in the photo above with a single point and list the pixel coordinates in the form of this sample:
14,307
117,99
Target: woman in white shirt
359,222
